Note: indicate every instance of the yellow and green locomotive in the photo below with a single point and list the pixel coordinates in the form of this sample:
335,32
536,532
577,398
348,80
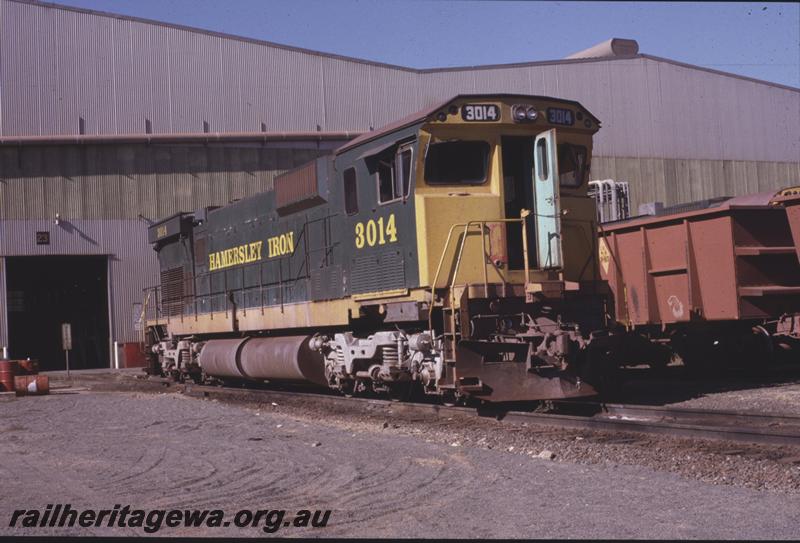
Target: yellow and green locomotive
451,252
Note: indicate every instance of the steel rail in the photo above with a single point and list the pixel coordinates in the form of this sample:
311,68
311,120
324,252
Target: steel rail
736,426
721,417
700,424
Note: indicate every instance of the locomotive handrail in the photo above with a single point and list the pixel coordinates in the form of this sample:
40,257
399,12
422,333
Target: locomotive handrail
467,225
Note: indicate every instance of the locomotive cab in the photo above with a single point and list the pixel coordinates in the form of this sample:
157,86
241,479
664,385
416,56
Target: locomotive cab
528,157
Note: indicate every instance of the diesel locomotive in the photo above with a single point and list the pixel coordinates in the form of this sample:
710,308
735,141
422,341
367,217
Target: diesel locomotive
453,252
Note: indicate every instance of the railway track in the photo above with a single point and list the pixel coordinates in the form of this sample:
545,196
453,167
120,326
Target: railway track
594,416
707,424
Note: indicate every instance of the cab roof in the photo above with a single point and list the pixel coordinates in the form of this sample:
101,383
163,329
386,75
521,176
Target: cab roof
427,113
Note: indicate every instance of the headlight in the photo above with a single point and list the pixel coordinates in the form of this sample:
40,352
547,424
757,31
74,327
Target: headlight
523,113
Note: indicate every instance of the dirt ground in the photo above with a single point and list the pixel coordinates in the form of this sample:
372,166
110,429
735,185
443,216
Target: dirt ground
776,391
97,449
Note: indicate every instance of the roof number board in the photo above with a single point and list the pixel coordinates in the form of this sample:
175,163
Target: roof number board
557,115
480,112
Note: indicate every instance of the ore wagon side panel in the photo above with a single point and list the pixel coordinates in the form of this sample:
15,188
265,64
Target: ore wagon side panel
713,294
792,205
729,262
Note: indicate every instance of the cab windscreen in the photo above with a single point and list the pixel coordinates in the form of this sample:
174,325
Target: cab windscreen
457,163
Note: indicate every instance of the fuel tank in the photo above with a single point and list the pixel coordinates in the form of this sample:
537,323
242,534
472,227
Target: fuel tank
286,358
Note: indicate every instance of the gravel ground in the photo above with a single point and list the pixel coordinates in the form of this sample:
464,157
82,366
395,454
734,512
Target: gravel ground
777,392
379,477
778,398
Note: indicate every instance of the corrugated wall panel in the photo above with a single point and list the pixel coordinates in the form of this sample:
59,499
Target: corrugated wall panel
299,100
236,176
675,181
439,86
145,182
92,184
393,95
133,95
8,167
152,44
72,160
502,80
178,183
591,85
3,305
231,75
2,78
18,40
584,83
282,89
651,75
756,121
29,203
543,79
254,67
65,52
93,71
349,79
206,181
198,95
254,180
627,133
130,276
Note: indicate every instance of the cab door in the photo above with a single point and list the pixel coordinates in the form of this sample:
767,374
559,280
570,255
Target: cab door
546,206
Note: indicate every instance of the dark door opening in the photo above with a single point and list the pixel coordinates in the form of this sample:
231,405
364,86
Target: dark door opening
45,291
518,187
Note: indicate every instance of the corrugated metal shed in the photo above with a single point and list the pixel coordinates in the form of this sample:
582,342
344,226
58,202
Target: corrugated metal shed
63,64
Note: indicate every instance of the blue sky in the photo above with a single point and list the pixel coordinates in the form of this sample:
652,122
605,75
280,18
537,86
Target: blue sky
760,40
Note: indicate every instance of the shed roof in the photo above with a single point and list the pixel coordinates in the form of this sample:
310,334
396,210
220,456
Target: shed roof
625,51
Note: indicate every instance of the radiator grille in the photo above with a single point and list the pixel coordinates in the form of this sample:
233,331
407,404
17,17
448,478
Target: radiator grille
172,291
326,283
378,272
200,251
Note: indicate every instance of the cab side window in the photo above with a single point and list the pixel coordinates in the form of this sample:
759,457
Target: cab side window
394,176
350,192
572,165
386,181
404,172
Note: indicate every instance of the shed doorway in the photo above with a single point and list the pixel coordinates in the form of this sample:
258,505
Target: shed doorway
45,291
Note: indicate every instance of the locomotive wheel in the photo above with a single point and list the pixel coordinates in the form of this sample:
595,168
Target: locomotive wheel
400,392
756,353
702,355
449,397
601,370
659,358
346,387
